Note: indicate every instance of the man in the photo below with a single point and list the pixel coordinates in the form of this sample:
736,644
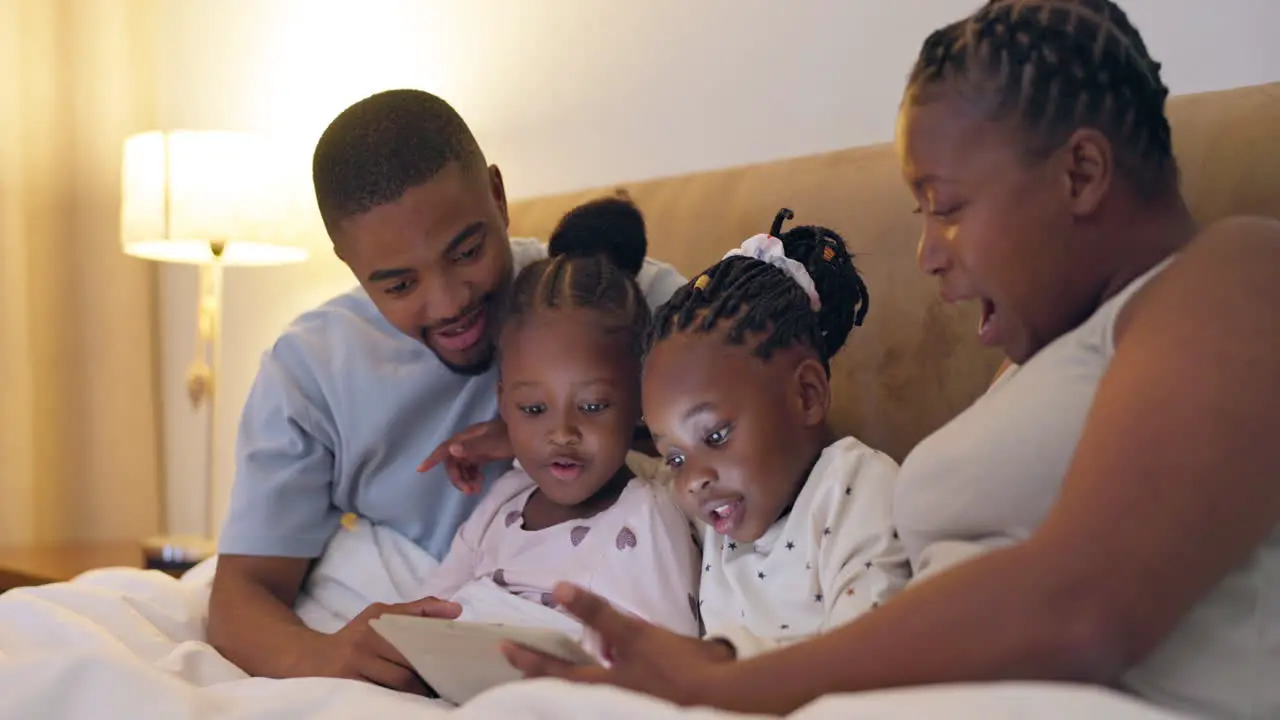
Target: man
354,394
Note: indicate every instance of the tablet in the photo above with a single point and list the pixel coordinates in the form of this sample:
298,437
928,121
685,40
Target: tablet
460,660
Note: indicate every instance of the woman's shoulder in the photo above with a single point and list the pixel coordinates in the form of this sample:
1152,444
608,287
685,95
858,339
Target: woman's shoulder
1242,227
1230,243
1234,260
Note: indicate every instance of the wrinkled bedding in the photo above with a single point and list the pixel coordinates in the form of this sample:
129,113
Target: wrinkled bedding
122,643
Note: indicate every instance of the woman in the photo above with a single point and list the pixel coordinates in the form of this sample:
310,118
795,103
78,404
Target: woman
1107,512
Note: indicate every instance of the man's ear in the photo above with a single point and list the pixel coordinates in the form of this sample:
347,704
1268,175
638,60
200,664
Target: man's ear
338,248
813,391
1088,169
499,192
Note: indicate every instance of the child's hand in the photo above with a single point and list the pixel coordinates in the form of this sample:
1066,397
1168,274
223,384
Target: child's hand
642,656
465,453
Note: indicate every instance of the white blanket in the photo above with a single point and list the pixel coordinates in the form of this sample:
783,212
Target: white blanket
376,564
130,644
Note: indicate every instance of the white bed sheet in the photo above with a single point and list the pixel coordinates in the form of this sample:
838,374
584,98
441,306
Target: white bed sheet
130,644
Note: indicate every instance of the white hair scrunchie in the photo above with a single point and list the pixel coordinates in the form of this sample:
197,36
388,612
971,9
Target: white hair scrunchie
767,248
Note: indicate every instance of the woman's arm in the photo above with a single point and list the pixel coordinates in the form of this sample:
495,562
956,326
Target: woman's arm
1172,486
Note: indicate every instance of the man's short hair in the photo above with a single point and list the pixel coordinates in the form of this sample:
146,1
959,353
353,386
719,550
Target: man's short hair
383,145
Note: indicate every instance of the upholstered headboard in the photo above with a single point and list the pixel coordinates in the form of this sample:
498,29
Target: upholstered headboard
915,363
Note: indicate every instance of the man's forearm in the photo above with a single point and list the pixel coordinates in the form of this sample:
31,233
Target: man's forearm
258,632
987,620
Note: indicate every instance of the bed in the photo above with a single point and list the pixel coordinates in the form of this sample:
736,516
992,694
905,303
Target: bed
122,643
127,643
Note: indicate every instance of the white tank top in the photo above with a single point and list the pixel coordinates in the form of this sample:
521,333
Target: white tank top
989,477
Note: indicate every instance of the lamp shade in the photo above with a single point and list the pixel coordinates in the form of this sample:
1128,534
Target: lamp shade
188,195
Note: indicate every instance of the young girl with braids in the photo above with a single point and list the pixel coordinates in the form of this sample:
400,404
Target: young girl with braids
798,523
1109,511
569,392
612,226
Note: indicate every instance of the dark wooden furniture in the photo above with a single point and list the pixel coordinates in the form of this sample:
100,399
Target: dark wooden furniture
24,566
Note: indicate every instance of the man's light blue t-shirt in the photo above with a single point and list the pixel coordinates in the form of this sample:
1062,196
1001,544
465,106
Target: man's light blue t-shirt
343,410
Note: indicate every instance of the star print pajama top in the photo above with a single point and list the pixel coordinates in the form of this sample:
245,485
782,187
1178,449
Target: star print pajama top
835,556
640,555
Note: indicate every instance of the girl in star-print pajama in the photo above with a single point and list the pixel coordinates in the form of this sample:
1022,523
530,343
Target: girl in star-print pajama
799,532
572,510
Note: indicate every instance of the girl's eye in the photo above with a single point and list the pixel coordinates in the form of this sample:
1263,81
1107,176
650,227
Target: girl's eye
593,408
674,461
536,409
716,438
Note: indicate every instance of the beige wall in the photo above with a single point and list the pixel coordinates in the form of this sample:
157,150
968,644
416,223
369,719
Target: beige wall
566,94
78,431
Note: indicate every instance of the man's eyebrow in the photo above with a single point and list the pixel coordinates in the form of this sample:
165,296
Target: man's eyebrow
388,274
467,233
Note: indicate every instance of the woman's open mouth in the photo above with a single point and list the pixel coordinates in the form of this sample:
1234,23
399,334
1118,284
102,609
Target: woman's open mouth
988,326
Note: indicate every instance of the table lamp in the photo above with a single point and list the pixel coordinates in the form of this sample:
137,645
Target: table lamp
212,199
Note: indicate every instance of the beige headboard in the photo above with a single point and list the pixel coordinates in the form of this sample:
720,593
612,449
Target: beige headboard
915,363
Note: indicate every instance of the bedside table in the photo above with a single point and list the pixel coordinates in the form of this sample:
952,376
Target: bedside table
20,567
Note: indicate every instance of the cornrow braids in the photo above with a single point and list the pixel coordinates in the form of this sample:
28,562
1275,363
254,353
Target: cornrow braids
1056,66
583,282
596,251
757,298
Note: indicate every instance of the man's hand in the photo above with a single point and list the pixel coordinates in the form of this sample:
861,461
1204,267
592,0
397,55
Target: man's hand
358,652
642,656
466,452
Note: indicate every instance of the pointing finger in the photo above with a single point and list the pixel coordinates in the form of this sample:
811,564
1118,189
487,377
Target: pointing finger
436,457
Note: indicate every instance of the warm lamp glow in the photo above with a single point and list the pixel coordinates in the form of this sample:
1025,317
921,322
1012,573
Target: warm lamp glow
187,193
213,199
